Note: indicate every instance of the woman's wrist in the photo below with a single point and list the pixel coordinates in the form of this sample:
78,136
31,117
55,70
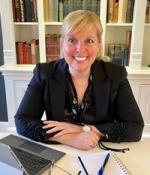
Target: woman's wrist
86,128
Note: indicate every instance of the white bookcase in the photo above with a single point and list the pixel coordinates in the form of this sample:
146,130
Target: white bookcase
17,76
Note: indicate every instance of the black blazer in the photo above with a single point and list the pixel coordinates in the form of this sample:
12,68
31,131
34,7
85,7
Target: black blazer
117,113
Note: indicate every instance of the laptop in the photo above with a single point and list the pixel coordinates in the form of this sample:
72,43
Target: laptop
28,156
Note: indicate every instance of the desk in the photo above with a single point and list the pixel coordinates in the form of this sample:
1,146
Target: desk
137,160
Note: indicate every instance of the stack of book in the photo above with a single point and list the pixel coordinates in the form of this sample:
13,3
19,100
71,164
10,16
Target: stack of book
27,52
56,10
120,53
72,5
120,11
52,42
25,10
117,53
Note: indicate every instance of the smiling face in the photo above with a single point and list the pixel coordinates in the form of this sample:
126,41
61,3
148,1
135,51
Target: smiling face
81,49
81,39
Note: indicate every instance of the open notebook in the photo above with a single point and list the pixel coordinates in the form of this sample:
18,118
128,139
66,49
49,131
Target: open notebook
94,161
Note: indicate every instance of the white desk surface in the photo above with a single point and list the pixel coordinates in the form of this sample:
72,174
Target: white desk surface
137,160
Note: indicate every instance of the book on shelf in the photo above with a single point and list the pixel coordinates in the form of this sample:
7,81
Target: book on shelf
128,46
52,42
31,10
120,11
25,10
110,11
50,9
16,10
94,6
46,10
115,11
19,52
147,16
55,10
34,43
60,10
130,11
22,10
126,57
27,52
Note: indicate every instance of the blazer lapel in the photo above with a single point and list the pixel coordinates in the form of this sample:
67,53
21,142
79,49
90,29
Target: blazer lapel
101,89
57,91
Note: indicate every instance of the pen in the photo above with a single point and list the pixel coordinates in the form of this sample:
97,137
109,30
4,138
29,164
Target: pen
100,172
83,166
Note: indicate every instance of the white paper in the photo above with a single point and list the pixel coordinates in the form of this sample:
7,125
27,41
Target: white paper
93,162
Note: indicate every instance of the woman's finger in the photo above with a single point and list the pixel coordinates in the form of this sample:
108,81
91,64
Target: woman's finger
51,124
54,129
61,133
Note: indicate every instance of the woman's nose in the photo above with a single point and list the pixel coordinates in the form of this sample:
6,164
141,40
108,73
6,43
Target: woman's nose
80,47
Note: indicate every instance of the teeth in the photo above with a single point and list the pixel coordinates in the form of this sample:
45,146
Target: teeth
80,58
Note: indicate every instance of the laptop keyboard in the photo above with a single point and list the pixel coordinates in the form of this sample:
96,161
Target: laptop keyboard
32,164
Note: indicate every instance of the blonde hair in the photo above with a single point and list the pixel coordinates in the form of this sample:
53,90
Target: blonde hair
80,19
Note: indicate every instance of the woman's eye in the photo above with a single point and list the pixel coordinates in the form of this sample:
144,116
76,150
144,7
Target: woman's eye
71,40
90,41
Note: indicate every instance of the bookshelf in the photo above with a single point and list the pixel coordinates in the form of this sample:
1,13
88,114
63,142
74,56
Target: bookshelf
17,76
114,32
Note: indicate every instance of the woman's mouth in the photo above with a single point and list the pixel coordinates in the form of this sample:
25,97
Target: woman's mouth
80,58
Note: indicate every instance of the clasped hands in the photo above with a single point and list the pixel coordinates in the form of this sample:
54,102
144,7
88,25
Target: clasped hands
72,134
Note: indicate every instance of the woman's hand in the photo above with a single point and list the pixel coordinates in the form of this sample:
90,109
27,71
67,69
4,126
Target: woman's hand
82,140
73,135
61,128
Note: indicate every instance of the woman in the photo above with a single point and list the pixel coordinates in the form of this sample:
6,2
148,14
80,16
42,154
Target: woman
85,99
